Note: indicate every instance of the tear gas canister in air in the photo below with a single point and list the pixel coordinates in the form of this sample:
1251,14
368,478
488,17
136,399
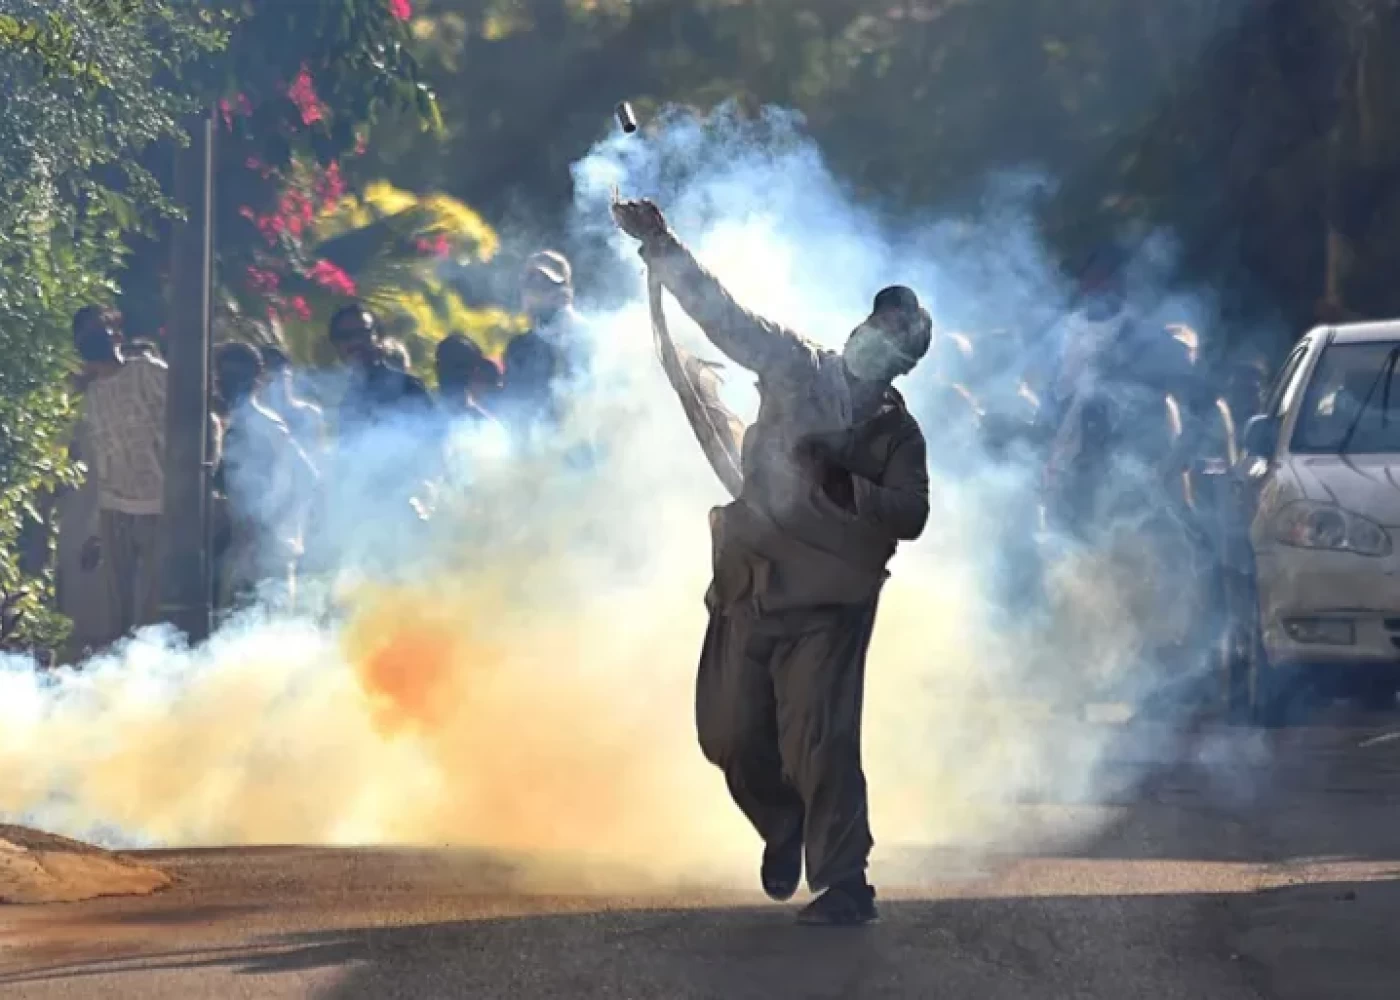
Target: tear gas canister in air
626,118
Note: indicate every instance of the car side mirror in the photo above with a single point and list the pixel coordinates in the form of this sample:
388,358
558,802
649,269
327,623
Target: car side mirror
1260,437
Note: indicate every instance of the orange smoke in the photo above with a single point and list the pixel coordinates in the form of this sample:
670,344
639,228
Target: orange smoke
405,658
533,745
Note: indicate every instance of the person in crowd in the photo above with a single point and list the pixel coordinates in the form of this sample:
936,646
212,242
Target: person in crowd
377,391
123,426
834,475
396,355
538,361
467,379
267,479
303,419
82,590
1122,394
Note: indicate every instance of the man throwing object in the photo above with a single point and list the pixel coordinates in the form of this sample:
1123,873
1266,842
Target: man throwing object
834,475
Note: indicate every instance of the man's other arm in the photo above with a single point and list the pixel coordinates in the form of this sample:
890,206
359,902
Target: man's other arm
898,503
763,347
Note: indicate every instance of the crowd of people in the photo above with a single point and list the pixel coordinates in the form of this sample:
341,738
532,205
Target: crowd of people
268,445
1093,393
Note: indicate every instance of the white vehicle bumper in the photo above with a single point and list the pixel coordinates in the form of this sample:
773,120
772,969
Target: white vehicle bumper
1329,609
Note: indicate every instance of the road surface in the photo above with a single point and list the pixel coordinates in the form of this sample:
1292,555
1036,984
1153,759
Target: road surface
1281,887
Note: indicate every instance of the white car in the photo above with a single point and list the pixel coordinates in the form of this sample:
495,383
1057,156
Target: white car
1322,467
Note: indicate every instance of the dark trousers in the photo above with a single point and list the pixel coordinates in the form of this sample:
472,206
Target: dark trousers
778,709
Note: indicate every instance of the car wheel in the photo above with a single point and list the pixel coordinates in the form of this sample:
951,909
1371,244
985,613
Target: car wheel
1238,689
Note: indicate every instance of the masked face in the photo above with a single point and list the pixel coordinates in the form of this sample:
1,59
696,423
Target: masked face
873,355
539,296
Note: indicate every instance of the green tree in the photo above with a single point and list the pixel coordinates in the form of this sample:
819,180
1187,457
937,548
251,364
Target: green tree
81,99
93,97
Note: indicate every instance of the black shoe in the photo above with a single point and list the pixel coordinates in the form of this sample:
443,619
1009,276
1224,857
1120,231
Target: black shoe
782,869
849,904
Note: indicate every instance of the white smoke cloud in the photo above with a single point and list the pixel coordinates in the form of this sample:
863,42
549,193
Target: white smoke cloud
517,672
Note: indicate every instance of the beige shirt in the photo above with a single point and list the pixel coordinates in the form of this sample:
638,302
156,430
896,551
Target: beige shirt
124,414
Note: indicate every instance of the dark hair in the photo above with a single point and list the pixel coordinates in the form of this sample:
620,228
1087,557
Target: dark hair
274,359
238,366
90,339
356,309
90,316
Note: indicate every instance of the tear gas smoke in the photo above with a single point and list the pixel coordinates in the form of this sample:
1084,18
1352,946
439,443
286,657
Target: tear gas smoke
517,671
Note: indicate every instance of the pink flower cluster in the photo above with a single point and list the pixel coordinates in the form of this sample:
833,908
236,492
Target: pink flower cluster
439,247
263,281
239,107
332,278
303,95
280,308
401,9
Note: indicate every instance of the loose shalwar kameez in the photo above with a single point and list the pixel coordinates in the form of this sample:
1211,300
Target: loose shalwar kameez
799,561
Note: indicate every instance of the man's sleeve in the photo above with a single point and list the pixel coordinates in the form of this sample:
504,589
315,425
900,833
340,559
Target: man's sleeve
763,347
898,503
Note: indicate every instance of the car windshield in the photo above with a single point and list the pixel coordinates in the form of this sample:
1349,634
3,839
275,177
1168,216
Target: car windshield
1346,375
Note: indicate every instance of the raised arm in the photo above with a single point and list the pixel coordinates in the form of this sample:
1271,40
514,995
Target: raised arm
763,347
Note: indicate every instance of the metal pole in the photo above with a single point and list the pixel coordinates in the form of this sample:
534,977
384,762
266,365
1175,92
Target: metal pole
186,599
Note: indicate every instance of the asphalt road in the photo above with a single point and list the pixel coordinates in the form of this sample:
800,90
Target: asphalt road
1282,886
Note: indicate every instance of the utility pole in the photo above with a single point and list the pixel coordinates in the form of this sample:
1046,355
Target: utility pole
187,585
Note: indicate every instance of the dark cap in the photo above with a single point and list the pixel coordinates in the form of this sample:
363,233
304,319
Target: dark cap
897,298
914,325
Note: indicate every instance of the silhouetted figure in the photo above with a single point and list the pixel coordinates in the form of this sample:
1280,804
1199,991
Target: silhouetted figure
377,391
539,362
268,482
834,475
124,432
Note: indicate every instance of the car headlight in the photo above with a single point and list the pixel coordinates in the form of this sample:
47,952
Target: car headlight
1310,525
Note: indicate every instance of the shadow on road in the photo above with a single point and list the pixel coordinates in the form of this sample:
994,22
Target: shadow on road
990,949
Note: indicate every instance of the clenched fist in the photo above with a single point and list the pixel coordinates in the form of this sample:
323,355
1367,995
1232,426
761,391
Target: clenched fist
640,219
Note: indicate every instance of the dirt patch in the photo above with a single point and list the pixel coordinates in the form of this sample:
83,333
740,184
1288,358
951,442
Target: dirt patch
37,867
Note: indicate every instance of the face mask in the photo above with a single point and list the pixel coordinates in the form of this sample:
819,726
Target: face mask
872,356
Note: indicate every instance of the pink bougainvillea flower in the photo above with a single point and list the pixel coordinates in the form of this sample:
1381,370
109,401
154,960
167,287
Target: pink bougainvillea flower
438,247
247,212
272,227
300,307
401,9
332,278
263,281
330,187
303,95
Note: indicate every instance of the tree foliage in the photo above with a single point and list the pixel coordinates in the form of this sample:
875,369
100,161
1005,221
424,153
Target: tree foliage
95,96
1260,131
81,98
